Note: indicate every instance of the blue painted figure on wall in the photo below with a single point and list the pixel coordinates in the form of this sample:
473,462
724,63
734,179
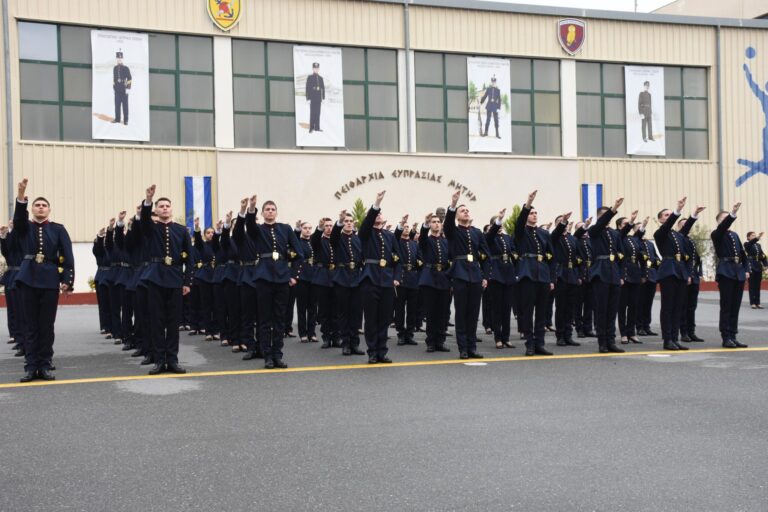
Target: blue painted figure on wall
761,166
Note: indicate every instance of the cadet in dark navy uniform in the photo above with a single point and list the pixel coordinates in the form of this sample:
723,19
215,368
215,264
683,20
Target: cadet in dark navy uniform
168,277
633,274
586,301
757,262
673,274
322,281
377,283
277,245
102,289
203,279
249,260
230,278
605,275
493,95
121,85
47,268
348,251
407,299
647,289
691,295
306,303
536,277
11,250
315,93
732,271
502,279
568,280
434,286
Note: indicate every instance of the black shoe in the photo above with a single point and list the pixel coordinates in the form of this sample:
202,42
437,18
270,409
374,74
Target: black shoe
680,347
400,341
671,345
651,333
580,334
442,348
475,355
52,367
695,338
118,341
147,360
372,360
19,353
739,344
29,376
384,360
346,351
613,348
541,351
280,364
530,352
430,348
175,368
269,364
451,325
193,333
590,334
641,332
326,344
603,350
249,355
410,341
46,374
729,344
561,343
357,352
685,338
336,343
463,355
157,369
127,347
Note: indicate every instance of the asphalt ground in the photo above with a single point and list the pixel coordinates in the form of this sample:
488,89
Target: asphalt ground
581,431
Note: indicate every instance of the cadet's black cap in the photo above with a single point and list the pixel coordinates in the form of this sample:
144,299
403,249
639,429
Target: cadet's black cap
493,78
119,55
647,83
315,65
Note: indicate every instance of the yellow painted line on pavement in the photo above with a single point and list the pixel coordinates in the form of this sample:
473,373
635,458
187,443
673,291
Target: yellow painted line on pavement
305,369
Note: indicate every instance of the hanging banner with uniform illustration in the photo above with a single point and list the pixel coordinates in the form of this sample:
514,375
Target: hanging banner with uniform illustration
319,96
120,85
644,88
490,127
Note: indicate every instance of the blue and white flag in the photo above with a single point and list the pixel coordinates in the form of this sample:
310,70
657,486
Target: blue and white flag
591,199
197,192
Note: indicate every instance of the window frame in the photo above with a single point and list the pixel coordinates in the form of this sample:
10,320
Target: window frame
682,129
603,126
532,92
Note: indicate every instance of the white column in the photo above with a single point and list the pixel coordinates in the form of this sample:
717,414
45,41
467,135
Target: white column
568,130
223,96
402,99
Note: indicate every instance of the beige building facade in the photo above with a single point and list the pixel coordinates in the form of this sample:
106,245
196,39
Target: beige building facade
220,108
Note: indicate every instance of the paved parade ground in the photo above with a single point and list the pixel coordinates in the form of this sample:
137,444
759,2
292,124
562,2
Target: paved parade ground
640,431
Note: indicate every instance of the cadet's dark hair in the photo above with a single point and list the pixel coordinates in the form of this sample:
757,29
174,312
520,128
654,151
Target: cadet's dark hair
682,219
41,198
750,233
719,214
658,215
163,199
619,221
267,203
601,210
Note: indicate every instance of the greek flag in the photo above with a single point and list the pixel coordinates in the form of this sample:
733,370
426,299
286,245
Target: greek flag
591,199
197,193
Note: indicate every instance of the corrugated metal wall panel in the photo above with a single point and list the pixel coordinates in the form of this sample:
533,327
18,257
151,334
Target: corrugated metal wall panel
89,184
322,21
650,185
3,136
744,122
485,32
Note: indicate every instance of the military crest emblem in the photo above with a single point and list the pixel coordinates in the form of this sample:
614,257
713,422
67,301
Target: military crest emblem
571,33
224,13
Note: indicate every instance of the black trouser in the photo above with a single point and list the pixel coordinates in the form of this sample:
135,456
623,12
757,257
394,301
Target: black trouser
501,297
15,324
755,278
248,307
487,309
102,298
731,293
39,306
434,301
206,319
646,292
195,319
289,308
550,307
495,115
347,304
121,100
164,315
306,308
234,327
647,126
672,304
406,309
377,311
606,308
129,296
144,327
688,317
584,308
531,316
466,298
116,310
325,313
314,114
628,300
186,310
271,301
566,298
220,311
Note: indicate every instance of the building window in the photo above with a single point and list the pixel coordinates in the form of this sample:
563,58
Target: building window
535,101
264,108
55,85
601,111
181,90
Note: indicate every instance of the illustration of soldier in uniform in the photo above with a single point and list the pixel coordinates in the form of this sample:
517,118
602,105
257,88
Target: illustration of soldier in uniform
315,93
121,84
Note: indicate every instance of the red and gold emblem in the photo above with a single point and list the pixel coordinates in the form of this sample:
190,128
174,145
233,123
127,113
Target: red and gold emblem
571,33
224,13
